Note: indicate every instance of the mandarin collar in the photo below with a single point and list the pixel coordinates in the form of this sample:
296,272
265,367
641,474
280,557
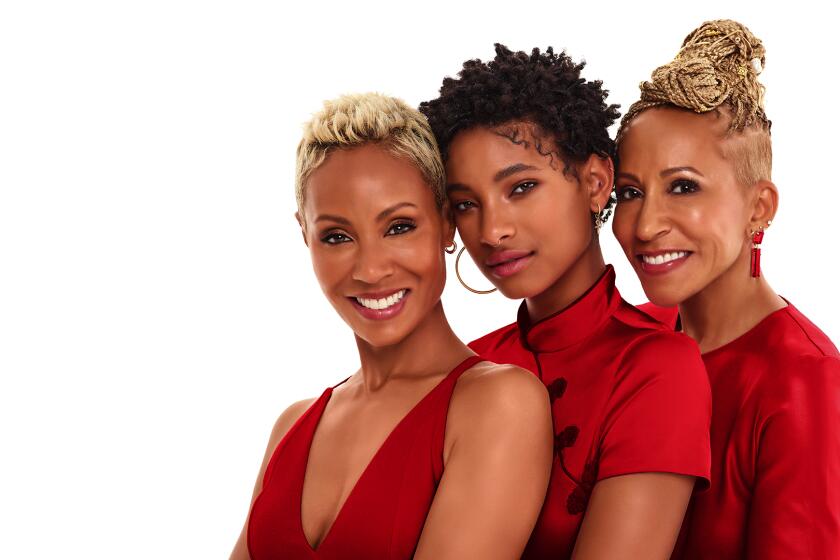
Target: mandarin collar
573,324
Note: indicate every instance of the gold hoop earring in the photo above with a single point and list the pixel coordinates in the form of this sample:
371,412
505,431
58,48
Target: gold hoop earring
599,221
461,280
451,248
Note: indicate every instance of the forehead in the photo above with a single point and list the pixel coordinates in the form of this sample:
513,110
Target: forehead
367,176
482,151
673,137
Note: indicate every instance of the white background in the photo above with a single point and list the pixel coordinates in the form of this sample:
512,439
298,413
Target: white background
157,305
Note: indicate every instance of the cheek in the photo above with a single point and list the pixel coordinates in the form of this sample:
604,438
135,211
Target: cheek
557,221
330,266
714,227
624,218
428,265
467,226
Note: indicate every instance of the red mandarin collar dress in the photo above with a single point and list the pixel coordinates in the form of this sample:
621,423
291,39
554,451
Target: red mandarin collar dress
386,510
629,395
775,490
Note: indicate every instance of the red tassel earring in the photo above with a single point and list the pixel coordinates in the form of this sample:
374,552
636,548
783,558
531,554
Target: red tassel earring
755,257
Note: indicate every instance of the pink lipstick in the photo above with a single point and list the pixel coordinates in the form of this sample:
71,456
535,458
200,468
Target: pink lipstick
507,263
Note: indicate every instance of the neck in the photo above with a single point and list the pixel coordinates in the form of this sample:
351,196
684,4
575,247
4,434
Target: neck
430,348
574,282
730,306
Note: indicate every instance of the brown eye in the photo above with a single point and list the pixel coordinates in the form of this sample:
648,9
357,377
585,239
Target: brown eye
524,187
628,193
400,228
334,238
684,186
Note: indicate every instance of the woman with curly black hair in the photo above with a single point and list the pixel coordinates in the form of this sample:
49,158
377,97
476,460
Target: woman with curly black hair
529,178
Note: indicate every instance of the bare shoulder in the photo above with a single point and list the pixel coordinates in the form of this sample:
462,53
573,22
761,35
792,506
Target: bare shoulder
287,419
488,378
499,390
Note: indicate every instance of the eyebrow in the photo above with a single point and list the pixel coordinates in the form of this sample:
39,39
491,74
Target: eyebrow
331,218
500,176
456,187
380,216
511,170
391,209
672,170
630,176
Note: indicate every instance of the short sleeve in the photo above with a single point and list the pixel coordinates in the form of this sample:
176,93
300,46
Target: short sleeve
659,413
795,511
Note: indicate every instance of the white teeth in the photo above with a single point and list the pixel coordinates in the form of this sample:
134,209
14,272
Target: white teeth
382,303
664,257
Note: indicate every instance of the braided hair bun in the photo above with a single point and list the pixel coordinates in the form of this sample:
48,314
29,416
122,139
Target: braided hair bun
718,64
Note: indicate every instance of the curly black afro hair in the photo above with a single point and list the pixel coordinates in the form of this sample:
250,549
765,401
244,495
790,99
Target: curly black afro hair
543,89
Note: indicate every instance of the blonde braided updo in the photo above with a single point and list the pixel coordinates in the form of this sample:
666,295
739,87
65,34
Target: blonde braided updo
718,65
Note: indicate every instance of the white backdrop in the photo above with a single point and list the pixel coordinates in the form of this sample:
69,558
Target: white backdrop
157,305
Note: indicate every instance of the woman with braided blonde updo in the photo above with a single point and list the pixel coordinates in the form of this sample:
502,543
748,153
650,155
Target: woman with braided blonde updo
694,200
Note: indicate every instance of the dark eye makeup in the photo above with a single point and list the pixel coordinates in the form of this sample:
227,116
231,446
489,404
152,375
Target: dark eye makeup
400,227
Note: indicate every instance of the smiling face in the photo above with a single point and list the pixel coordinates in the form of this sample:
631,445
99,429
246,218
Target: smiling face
682,218
376,237
523,220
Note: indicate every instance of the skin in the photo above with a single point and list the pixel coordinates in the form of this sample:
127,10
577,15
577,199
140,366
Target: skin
678,191
371,224
507,195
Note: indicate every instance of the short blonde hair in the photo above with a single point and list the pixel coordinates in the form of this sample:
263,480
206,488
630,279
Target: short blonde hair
358,119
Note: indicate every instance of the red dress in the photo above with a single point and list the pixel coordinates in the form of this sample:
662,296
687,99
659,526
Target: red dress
628,394
775,445
386,510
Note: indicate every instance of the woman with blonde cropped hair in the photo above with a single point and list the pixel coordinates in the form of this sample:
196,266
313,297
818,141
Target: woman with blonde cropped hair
695,199
422,452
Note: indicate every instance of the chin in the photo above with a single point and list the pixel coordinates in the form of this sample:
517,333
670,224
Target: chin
663,298
666,296
381,334
518,288
380,340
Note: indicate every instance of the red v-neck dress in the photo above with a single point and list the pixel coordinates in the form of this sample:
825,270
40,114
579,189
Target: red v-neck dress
775,445
628,395
385,512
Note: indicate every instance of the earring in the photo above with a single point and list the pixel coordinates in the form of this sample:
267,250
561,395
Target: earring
599,221
461,280
451,248
755,254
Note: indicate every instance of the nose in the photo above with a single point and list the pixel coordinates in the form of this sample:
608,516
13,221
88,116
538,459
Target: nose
373,264
496,225
652,221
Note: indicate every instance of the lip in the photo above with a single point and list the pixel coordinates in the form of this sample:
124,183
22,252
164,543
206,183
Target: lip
507,263
664,268
379,314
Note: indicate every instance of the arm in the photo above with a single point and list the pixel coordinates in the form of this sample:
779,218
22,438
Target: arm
654,446
795,511
283,424
497,465
641,514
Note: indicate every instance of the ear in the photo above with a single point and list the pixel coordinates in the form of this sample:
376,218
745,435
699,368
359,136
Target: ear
765,203
302,223
597,176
